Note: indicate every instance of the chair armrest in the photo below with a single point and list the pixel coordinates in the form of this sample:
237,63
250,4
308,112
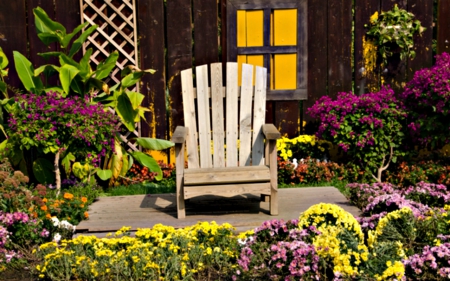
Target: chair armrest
270,132
179,136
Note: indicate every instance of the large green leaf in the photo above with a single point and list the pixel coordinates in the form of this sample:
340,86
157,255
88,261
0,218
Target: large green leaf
77,85
48,38
77,44
105,67
15,155
148,161
66,40
66,75
96,84
154,144
3,87
3,145
67,162
44,25
117,159
132,78
126,158
25,71
135,99
3,59
49,55
63,59
43,171
80,171
85,67
104,174
126,112
45,67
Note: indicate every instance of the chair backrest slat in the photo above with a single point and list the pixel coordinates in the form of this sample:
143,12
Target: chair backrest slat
245,116
217,115
204,126
190,117
259,116
232,112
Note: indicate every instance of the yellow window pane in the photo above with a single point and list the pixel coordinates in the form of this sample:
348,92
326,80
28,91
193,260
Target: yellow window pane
241,29
285,27
255,60
285,71
255,22
240,60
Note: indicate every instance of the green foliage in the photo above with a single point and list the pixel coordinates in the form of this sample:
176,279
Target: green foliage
394,29
76,79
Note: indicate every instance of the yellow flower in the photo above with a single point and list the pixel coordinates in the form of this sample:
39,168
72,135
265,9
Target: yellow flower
374,17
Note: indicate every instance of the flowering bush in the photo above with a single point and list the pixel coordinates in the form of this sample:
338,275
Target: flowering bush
433,263
381,197
158,253
302,146
427,100
52,123
19,234
341,242
407,174
367,127
309,171
278,250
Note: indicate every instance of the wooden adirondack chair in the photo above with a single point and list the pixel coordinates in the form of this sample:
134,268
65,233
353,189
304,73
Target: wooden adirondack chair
250,162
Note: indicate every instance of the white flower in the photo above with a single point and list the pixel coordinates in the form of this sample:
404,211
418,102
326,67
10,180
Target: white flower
55,221
57,237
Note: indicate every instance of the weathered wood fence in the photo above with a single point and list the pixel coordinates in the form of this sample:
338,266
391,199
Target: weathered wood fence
177,34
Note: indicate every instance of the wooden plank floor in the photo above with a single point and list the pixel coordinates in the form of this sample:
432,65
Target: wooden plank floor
245,212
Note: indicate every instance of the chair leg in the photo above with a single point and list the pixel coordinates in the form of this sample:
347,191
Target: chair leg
179,152
265,198
181,210
274,202
272,152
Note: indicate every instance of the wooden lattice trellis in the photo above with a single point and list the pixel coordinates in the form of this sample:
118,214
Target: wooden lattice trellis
117,30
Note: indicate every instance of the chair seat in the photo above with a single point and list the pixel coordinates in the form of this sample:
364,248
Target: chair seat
224,175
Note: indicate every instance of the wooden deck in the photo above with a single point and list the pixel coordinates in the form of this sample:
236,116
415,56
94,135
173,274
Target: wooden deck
109,214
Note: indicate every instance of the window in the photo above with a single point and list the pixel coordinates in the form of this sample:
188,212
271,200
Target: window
272,34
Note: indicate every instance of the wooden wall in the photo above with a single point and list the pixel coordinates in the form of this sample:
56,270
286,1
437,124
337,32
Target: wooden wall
180,34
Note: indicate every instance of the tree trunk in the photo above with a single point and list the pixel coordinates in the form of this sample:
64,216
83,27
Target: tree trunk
57,173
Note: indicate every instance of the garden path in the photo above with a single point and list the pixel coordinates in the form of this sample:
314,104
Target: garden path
245,212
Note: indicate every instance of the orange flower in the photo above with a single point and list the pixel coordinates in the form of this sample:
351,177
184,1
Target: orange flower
86,215
68,196
44,200
34,214
44,208
82,206
48,216
83,199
